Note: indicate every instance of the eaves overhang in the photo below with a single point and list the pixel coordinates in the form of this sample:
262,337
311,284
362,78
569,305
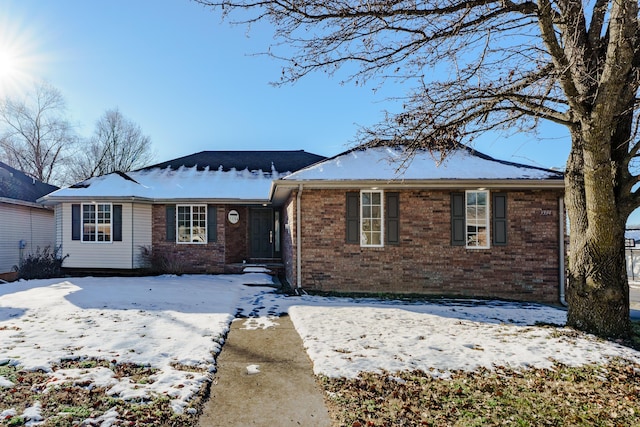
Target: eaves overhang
22,203
50,201
280,189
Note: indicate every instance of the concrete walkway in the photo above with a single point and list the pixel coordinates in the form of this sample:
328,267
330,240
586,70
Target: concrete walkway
264,378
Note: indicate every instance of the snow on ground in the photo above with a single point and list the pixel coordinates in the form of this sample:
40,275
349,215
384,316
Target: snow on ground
161,322
344,337
167,322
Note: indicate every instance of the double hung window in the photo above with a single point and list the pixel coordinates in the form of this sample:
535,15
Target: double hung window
373,218
477,219
96,222
192,223
371,227
471,216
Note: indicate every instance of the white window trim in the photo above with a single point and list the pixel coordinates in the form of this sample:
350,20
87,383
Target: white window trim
93,242
206,224
487,218
382,212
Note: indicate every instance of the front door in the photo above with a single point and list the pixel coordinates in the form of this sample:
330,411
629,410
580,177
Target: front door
261,232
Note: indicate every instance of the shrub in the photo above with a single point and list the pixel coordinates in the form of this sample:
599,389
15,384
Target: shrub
159,262
43,264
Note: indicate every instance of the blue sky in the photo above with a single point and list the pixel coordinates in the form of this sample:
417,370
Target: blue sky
195,83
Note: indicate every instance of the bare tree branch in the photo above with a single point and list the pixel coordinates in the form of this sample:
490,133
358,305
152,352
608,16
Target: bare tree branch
35,136
482,65
118,145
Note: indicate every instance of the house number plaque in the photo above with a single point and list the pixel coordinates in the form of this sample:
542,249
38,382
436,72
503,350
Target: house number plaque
233,216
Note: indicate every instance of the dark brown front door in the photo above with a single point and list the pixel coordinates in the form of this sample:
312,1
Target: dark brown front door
261,233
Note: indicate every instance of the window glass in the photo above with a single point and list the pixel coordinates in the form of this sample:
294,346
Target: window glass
199,233
88,223
192,223
477,219
103,223
96,222
371,218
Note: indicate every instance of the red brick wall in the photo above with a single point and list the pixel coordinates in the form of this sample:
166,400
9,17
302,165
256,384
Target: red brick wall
425,262
194,258
237,236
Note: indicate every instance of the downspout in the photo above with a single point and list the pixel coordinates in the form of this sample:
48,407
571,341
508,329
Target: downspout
298,240
133,250
562,272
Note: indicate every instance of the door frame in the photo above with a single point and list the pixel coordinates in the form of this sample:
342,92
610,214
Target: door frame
273,233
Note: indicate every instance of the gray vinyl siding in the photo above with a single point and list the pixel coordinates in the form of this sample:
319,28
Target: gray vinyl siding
59,227
141,231
33,225
136,231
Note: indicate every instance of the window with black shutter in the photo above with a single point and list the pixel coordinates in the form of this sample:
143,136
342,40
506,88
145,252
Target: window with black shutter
499,219
170,223
392,219
353,217
212,223
117,223
76,222
457,219
470,220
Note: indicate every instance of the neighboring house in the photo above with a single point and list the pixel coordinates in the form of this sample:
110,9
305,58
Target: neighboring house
363,221
369,221
632,252
25,225
205,212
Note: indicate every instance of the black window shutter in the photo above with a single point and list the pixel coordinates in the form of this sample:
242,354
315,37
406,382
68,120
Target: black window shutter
171,223
353,217
499,219
117,223
212,223
76,222
457,219
392,225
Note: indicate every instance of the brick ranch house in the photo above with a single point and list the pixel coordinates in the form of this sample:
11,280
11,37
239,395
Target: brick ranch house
362,221
470,225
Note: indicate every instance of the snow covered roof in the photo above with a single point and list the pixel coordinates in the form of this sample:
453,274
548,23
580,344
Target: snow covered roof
240,176
391,167
391,164
16,186
168,184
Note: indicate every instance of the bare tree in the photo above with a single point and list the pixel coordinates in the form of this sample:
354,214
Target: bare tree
118,144
508,64
35,136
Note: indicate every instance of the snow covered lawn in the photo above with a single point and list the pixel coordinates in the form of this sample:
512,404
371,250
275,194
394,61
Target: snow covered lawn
345,337
173,327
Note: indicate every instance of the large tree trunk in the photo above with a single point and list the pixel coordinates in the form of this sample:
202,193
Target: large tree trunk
598,291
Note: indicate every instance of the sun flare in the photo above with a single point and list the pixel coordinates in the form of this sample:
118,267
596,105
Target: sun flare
9,64
20,61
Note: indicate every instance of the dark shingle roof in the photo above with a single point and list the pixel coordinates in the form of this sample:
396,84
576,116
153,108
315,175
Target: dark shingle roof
283,161
19,186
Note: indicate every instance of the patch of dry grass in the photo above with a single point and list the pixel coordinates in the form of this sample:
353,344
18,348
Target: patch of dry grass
80,404
586,396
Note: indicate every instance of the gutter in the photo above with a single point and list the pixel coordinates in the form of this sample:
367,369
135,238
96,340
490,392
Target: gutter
23,203
421,183
298,240
561,273
46,200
